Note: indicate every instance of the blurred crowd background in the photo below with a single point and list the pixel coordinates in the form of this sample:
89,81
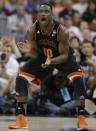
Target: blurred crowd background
16,16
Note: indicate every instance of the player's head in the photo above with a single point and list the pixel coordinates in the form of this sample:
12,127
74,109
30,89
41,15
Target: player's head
45,14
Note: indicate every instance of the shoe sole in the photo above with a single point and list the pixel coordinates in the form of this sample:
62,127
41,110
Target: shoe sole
18,128
82,129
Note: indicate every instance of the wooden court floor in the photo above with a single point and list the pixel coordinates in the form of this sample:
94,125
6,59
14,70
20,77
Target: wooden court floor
46,123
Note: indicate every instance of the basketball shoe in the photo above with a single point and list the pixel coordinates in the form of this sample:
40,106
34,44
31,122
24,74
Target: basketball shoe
82,124
19,123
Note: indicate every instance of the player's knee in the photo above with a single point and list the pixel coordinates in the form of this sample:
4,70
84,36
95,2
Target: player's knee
21,86
79,88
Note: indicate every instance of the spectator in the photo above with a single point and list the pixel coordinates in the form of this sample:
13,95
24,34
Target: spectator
71,34
76,19
9,40
21,15
4,28
82,32
22,2
32,8
8,62
89,66
83,25
90,13
86,33
61,104
7,100
55,15
3,11
58,6
81,6
8,72
69,24
75,42
11,6
8,67
90,102
20,34
67,11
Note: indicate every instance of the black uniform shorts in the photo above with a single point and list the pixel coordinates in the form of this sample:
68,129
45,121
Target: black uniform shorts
32,70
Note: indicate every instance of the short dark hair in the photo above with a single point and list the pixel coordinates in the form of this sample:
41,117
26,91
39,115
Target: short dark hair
74,37
47,4
67,17
86,42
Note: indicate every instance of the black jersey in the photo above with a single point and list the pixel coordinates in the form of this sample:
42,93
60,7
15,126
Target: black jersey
48,44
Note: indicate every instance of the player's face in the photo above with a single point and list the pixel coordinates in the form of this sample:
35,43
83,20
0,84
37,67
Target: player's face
45,14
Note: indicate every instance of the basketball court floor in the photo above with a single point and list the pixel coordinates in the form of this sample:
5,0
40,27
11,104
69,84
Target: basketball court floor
46,124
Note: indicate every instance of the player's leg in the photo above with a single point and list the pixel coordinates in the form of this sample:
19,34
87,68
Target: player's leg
26,75
32,72
76,77
79,94
21,95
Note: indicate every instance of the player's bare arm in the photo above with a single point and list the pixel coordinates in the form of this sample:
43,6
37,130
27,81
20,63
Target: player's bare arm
63,48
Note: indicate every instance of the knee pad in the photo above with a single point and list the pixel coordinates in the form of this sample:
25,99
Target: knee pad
79,88
21,86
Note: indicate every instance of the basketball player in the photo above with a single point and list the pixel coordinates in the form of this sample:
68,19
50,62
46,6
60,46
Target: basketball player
49,49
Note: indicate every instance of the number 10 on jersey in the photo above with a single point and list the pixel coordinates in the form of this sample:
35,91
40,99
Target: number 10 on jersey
48,52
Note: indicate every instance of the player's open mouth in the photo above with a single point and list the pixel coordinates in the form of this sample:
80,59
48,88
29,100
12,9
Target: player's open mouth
43,19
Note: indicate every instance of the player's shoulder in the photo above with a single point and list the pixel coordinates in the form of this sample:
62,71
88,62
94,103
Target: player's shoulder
63,33
60,26
57,25
32,29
